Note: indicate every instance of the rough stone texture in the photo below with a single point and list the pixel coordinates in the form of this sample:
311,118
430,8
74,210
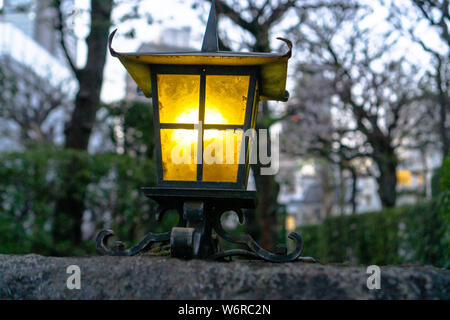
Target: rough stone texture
37,277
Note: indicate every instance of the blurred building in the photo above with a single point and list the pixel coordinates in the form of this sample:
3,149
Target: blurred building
29,41
415,174
28,36
310,191
307,200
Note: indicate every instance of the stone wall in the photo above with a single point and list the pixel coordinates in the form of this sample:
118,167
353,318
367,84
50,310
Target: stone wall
37,277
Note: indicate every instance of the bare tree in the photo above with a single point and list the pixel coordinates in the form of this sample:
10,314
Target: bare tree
87,102
90,77
437,14
378,109
307,133
29,101
69,209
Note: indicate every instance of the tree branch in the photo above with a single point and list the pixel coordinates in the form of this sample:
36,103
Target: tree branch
225,9
62,36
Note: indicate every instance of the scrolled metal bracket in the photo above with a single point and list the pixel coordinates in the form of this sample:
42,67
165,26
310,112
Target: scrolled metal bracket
200,213
255,251
145,244
119,248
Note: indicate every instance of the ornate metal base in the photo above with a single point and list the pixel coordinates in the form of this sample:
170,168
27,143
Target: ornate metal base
200,212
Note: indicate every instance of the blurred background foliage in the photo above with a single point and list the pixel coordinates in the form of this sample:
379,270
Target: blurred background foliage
417,234
407,235
30,184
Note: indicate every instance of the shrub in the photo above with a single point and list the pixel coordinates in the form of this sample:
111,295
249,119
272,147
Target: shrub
30,185
415,234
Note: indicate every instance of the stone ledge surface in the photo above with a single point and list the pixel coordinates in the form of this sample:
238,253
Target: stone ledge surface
145,277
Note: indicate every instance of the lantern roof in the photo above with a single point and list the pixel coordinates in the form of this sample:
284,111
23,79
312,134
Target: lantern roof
273,67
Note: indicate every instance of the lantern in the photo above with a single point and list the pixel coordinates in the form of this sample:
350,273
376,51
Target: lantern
204,105
203,112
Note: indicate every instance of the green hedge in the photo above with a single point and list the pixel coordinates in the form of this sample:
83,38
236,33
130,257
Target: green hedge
417,234
31,183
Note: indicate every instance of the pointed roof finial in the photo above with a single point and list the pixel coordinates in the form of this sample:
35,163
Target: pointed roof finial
210,40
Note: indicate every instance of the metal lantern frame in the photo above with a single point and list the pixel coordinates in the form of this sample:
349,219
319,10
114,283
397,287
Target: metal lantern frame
203,71
201,204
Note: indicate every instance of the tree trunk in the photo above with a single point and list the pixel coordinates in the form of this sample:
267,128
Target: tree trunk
387,180
354,189
342,190
444,106
69,209
329,190
266,185
267,209
90,78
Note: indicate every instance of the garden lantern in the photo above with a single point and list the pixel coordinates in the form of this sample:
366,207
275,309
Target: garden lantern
204,103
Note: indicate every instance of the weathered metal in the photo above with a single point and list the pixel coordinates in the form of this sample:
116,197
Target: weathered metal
200,214
210,40
273,67
119,248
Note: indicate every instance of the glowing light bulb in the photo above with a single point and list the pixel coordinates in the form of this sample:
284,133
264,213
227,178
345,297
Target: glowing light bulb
190,116
212,115
188,137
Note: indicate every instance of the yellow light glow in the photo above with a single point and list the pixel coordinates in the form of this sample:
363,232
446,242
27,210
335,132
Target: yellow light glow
221,155
186,137
191,116
214,116
290,223
420,178
404,178
179,151
179,103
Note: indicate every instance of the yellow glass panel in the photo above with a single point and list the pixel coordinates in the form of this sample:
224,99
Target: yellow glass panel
179,154
226,99
178,98
221,155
